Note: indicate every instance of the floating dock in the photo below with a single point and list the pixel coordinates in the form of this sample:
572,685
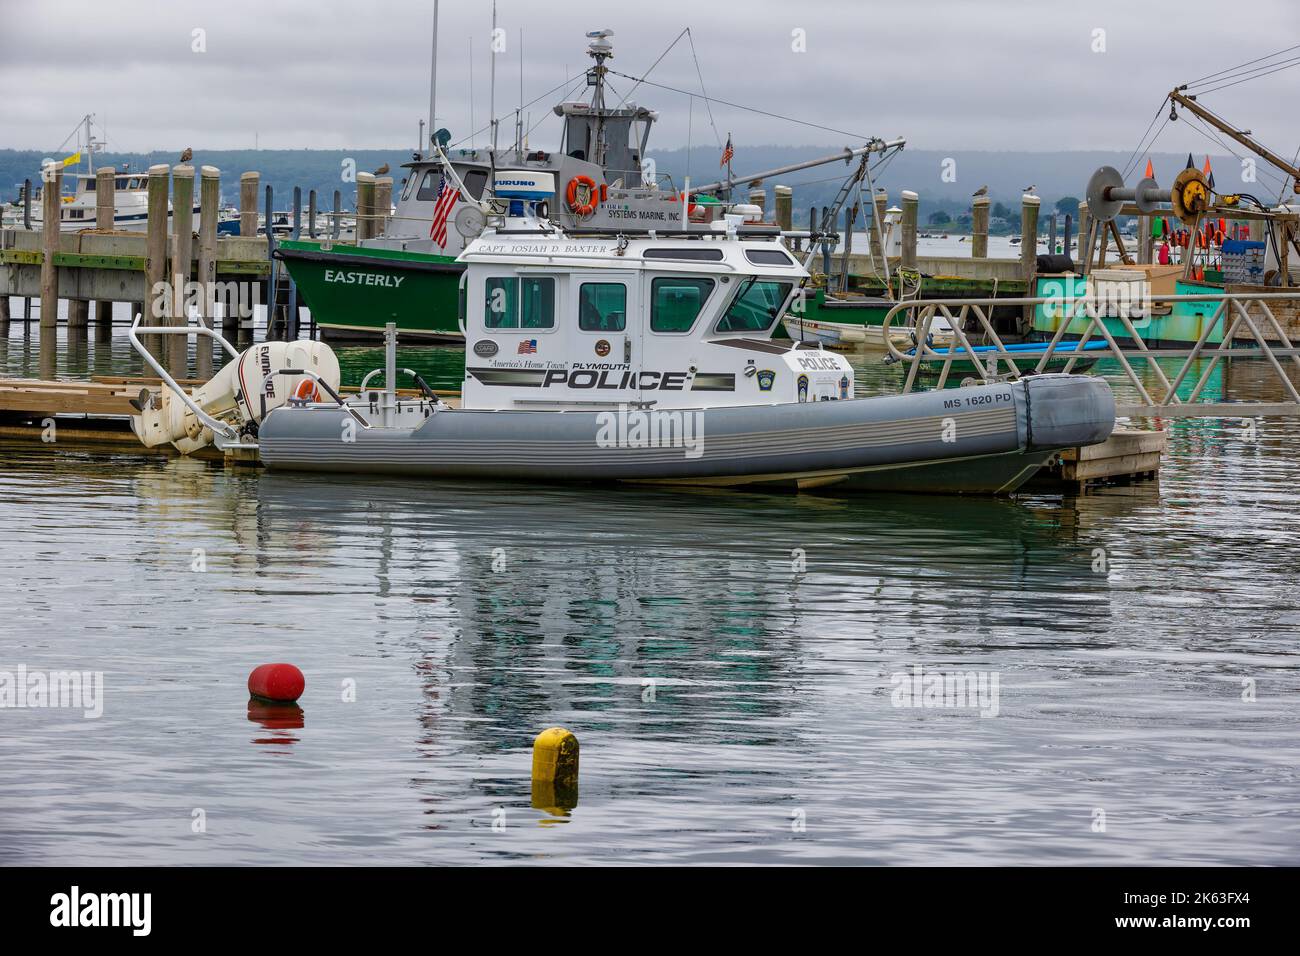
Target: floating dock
1128,457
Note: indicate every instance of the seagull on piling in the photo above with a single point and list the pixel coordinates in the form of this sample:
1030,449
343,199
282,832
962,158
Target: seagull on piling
982,191
1030,188
187,155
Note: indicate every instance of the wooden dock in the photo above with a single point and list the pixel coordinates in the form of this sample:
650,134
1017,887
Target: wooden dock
1129,456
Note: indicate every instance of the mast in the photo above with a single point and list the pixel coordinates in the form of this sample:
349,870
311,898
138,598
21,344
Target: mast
90,158
1241,136
519,113
492,78
600,49
433,81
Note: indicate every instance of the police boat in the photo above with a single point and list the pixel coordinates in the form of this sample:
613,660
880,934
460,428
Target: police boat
598,356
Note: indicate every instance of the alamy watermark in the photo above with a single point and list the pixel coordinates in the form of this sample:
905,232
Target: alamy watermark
638,428
1100,298
22,688
976,690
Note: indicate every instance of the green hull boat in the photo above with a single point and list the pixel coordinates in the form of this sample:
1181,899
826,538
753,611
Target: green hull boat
353,291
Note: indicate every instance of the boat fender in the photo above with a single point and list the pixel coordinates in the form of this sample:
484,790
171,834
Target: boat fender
582,195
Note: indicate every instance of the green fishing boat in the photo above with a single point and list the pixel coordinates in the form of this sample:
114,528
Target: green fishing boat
353,291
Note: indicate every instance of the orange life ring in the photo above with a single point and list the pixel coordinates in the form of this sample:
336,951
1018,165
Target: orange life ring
588,206
691,205
307,391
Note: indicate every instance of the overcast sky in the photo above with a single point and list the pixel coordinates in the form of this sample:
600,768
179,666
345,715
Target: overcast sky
945,74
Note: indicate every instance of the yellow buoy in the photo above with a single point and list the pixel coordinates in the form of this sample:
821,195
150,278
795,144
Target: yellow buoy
555,770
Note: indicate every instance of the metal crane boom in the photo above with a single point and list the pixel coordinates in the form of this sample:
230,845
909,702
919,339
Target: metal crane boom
1241,136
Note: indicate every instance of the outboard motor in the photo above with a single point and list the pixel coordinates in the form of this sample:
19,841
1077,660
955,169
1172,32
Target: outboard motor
234,395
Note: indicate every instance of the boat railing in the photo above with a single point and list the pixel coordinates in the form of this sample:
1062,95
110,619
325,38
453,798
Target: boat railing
223,430
993,360
315,377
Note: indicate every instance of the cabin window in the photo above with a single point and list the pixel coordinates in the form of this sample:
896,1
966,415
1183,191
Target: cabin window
602,307
756,305
475,180
121,183
407,185
768,257
675,302
429,186
512,303
702,254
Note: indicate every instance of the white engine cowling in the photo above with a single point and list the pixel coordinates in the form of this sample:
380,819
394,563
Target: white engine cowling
233,395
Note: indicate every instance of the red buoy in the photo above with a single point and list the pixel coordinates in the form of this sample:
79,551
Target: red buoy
282,683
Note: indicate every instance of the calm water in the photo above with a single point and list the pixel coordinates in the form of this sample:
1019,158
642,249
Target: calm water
470,617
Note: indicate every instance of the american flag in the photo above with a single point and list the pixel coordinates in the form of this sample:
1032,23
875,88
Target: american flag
528,347
441,210
728,152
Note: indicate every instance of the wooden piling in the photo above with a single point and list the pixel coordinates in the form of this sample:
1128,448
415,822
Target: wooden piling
248,190
783,200
879,208
156,305
365,205
209,200
979,227
911,209
1144,240
758,197
52,176
1029,206
104,207
850,216
383,204
78,313
4,314
182,246
1085,237
336,223
311,214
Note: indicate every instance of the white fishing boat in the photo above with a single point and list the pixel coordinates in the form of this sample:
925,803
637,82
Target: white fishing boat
78,202
597,355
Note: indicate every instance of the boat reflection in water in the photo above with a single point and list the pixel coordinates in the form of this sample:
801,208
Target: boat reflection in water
529,603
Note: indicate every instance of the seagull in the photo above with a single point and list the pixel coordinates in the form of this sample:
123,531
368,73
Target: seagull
982,191
1030,188
187,155
381,170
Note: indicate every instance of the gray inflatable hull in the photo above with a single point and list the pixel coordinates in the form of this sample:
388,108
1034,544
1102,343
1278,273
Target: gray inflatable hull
982,439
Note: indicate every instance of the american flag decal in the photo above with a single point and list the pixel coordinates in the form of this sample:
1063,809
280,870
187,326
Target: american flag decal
528,347
441,211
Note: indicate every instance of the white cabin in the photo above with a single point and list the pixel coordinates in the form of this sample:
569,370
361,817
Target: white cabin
555,320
